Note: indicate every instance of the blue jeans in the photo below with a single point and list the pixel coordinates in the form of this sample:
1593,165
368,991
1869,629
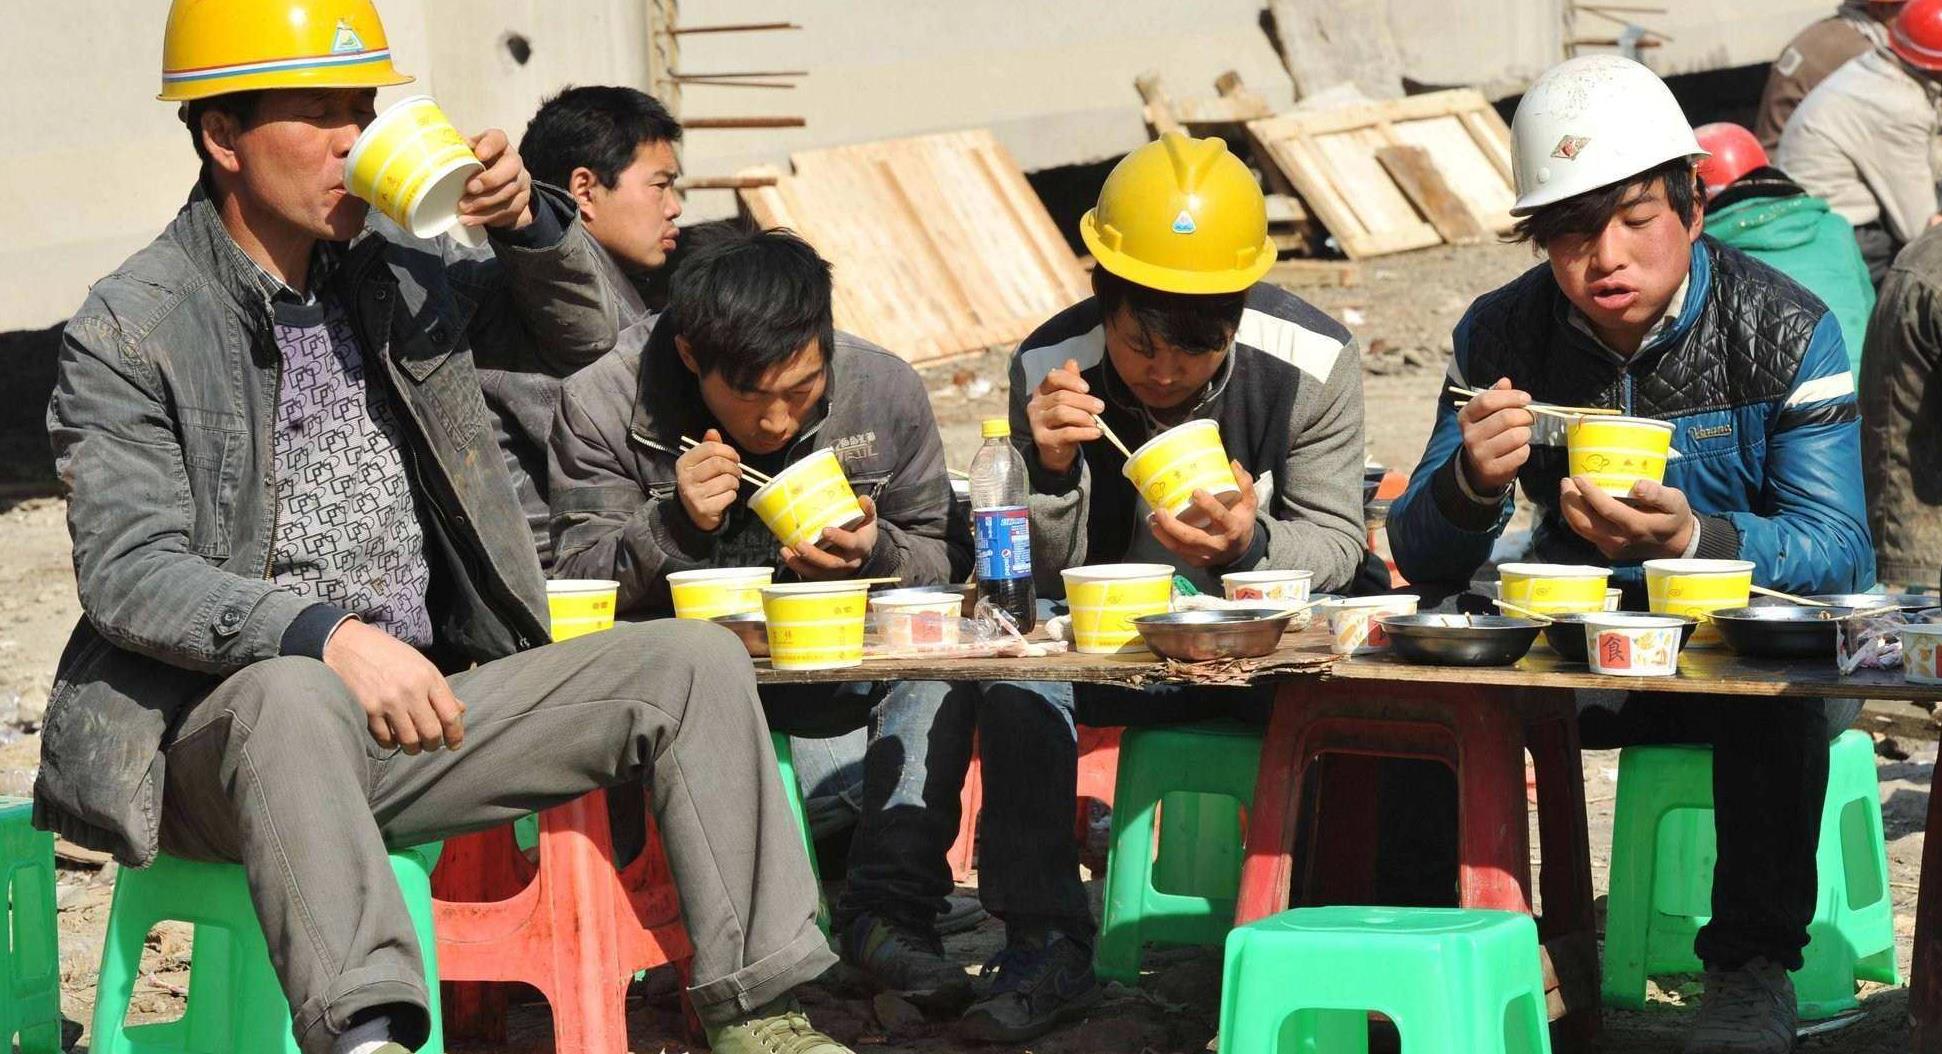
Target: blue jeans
1028,864
919,746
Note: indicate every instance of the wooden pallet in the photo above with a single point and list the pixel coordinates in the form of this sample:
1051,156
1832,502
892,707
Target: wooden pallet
1377,199
940,247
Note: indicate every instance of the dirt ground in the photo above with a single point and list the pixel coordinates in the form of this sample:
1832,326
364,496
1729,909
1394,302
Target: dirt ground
1402,312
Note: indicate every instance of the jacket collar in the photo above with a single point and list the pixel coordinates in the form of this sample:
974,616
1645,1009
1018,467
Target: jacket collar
1117,392
198,229
632,307
668,403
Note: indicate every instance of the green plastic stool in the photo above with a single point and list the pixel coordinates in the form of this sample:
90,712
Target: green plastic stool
235,1002
30,958
1204,774
1452,980
785,761
1663,851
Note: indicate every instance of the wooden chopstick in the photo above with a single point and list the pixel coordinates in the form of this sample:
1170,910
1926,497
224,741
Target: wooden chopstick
1803,601
1107,431
1534,616
762,478
1555,411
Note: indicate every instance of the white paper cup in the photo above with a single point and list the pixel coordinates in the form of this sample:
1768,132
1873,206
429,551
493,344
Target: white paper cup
913,618
1352,628
1634,646
1280,587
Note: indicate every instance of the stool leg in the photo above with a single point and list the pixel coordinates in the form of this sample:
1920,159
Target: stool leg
1925,981
1129,867
1495,868
1568,926
1268,866
121,960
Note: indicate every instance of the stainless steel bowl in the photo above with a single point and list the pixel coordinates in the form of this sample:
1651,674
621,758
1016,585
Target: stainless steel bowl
752,627
1200,636
1909,602
1789,631
1459,640
1566,633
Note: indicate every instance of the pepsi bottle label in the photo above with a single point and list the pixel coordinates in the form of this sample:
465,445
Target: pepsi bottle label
1004,543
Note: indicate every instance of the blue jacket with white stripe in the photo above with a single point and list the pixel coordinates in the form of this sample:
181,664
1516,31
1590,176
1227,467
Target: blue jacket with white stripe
1753,374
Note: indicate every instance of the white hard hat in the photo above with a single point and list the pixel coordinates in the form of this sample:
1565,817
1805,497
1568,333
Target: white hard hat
1590,122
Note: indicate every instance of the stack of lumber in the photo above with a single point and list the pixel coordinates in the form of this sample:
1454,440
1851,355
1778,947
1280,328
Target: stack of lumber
939,246
1398,174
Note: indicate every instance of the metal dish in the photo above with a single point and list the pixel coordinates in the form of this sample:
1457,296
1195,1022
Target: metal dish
752,627
967,593
1459,640
1200,636
1566,633
1788,631
1908,602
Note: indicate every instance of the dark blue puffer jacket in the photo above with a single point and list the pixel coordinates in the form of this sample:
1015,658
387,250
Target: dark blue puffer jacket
1767,448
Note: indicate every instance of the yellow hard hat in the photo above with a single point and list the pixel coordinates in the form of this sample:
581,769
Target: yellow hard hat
1181,215
216,47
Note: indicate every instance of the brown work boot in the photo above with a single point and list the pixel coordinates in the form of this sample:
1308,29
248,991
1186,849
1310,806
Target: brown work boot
1749,1010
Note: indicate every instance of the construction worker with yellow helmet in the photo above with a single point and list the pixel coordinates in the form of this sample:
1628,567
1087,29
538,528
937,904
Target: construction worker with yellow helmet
1181,328
315,624
1633,311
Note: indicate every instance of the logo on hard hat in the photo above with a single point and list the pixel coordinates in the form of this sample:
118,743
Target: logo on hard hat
347,41
1184,223
1570,147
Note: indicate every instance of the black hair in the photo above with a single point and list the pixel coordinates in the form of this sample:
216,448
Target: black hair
598,127
749,302
1196,323
1586,214
654,285
240,106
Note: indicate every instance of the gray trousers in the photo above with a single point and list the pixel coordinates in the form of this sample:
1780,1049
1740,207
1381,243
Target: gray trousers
277,769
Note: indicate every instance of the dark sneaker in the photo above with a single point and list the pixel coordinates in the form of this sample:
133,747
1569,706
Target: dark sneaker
778,1028
961,914
1750,1010
1034,988
906,961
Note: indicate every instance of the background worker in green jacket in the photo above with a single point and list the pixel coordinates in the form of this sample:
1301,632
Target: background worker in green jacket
1753,207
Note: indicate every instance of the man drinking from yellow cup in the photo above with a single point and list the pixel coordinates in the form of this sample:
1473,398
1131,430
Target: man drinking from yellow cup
315,626
746,363
1634,311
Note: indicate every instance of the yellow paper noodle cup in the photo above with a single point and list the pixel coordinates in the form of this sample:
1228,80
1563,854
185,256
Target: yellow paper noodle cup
815,625
805,498
412,165
1697,588
1553,589
1169,467
1106,598
1616,452
579,606
716,591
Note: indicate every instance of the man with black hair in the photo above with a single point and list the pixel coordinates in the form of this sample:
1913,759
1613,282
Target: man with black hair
611,148
747,360
1635,311
1180,327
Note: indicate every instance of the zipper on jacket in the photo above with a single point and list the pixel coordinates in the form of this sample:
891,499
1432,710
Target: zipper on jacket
269,474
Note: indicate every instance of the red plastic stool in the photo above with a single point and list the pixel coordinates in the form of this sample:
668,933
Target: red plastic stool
1098,771
1482,738
576,928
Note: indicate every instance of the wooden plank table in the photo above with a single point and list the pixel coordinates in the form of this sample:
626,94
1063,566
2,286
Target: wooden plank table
1541,688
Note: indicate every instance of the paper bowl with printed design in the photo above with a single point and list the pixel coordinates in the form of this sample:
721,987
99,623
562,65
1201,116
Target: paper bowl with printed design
1922,653
917,618
1106,598
815,625
1274,587
1168,468
1698,588
1352,625
1616,452
1553,589
803,499
579,606
1633,646
711,592
412,165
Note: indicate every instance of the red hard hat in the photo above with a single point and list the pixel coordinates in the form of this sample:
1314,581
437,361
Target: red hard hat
1917,34
1735,153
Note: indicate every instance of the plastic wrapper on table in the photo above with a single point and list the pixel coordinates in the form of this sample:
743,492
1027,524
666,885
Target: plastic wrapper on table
1870,640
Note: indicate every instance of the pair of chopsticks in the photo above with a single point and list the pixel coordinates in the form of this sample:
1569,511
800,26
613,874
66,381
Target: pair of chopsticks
1804,602
1539,408
761,478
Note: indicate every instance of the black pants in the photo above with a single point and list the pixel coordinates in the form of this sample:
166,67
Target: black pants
1769,784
